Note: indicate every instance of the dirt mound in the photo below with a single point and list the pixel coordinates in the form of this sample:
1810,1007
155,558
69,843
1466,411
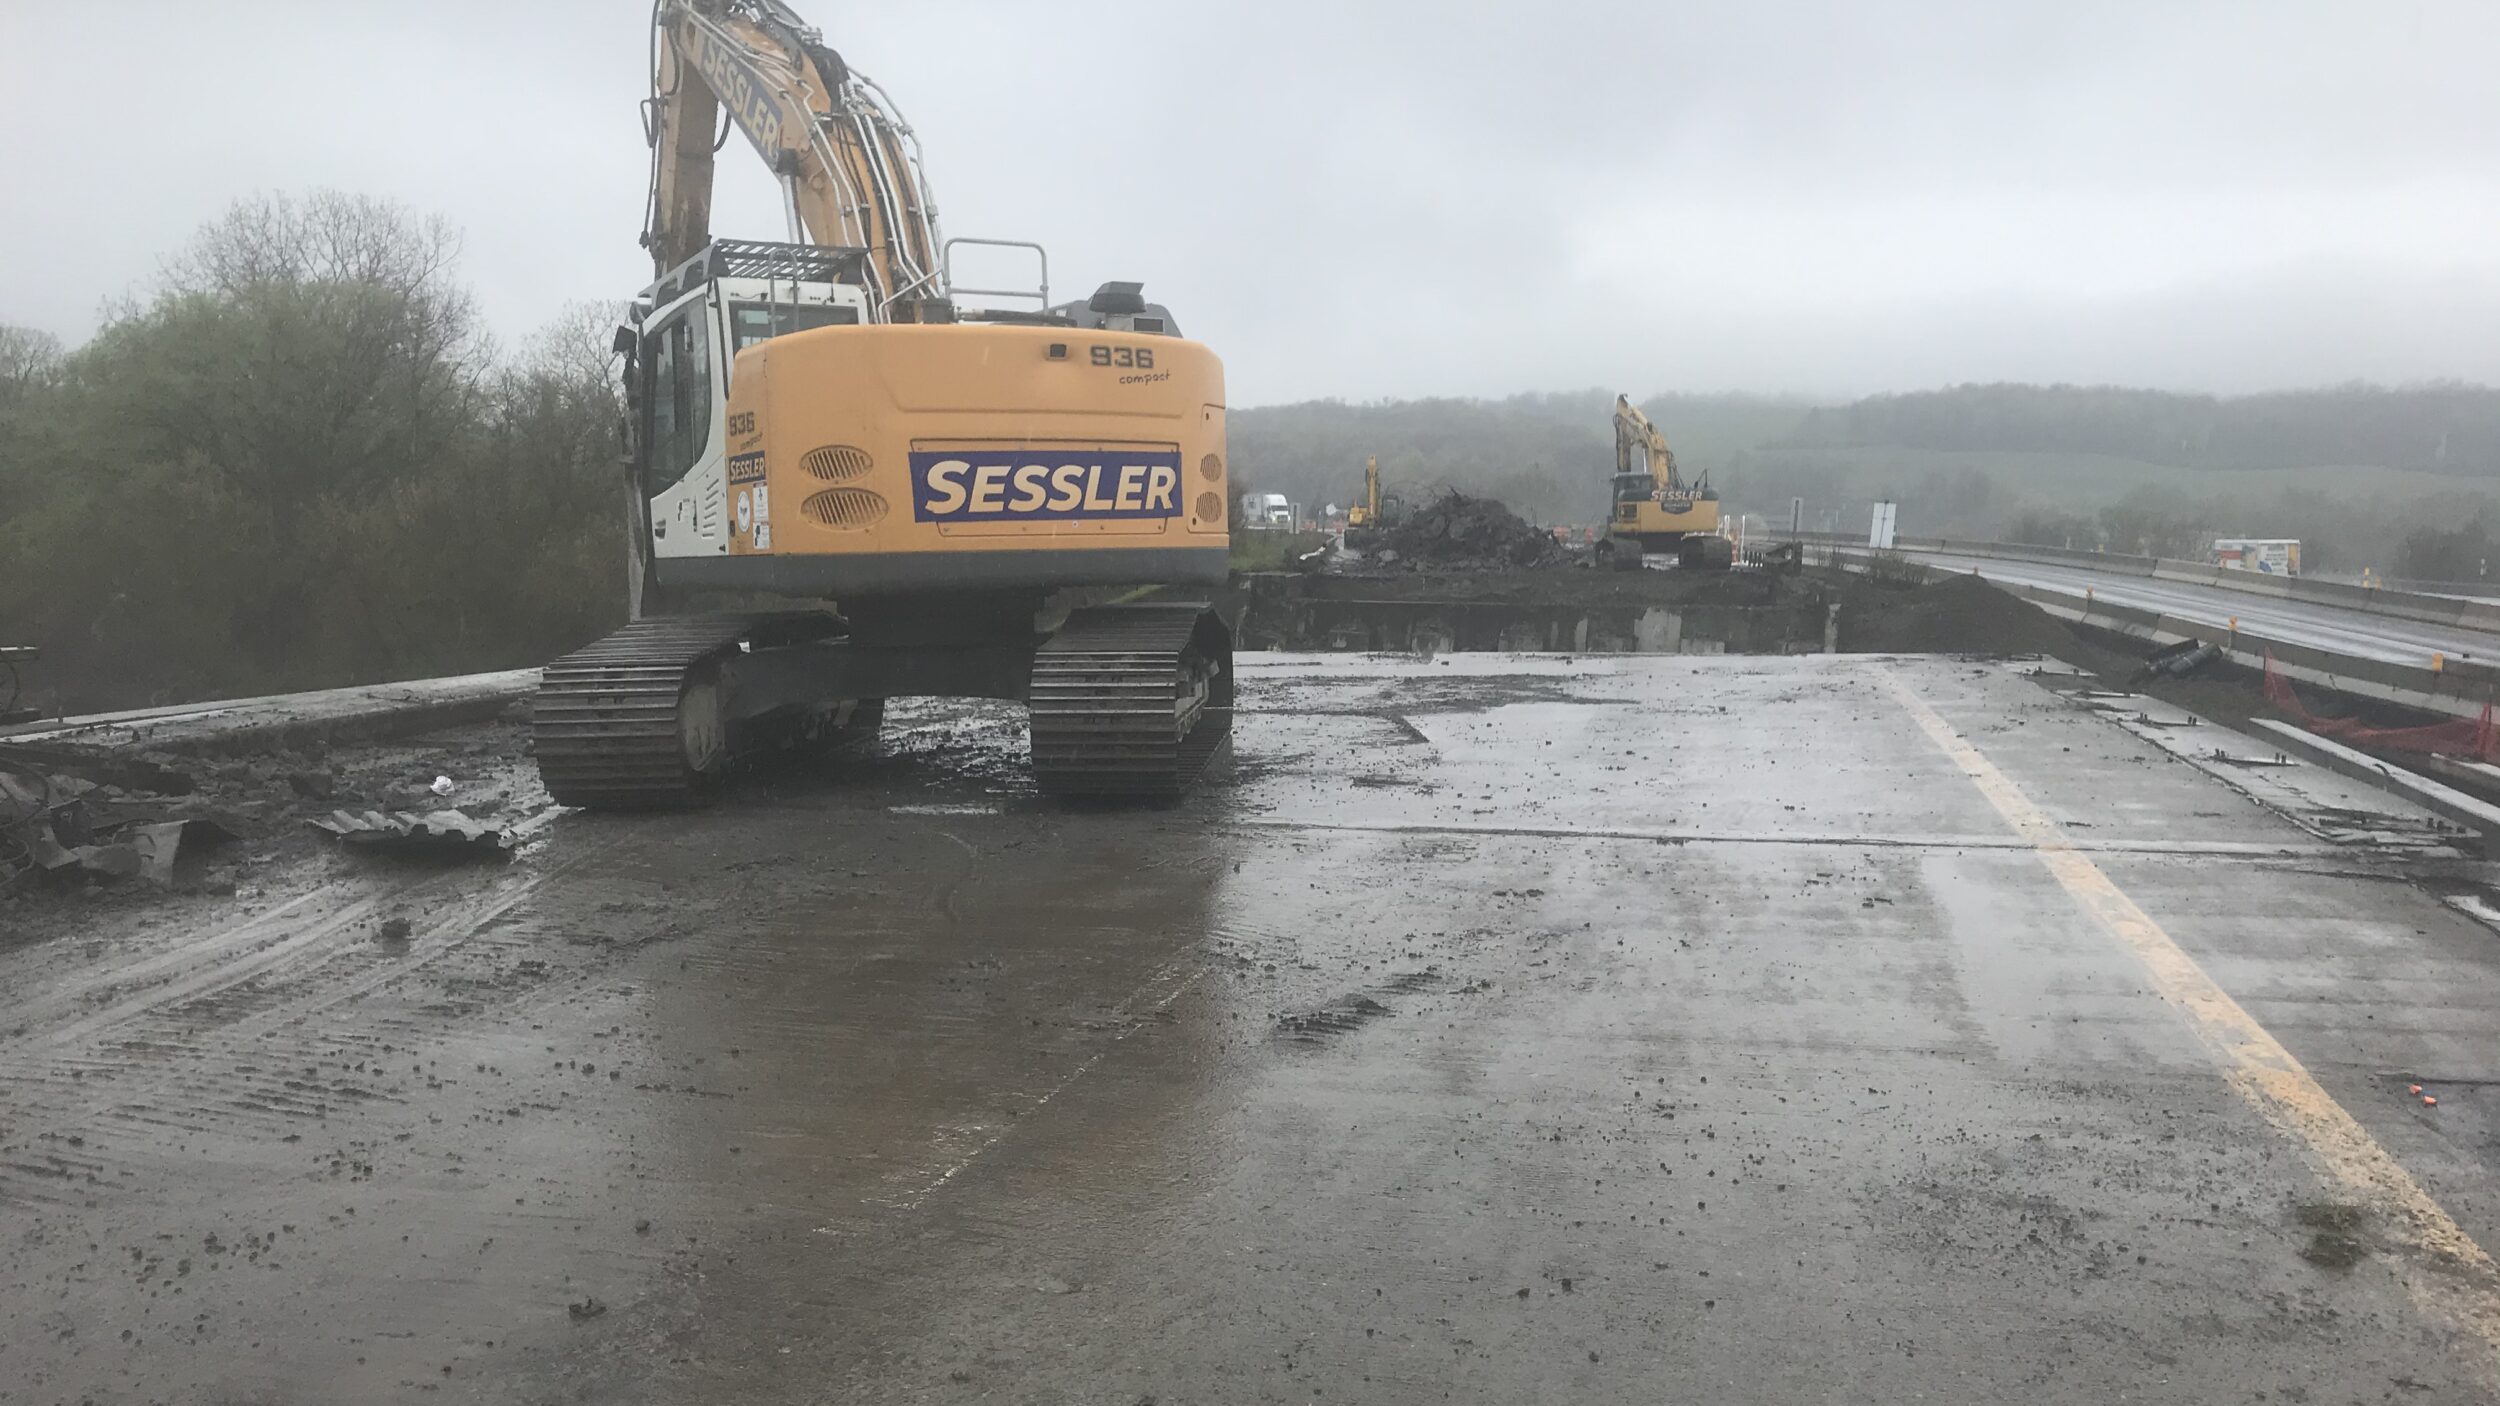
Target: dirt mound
1958,615
1456,532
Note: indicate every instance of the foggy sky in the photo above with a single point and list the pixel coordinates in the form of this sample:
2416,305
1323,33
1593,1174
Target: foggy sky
1367,200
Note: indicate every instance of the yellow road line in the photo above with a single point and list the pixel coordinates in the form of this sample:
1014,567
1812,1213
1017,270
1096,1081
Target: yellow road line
2455,1282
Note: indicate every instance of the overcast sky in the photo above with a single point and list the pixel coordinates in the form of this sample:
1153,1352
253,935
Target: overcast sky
1367,200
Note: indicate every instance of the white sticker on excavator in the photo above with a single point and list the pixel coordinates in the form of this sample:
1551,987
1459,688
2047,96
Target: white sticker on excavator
763,520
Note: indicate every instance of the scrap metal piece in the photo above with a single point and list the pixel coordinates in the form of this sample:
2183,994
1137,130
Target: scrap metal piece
2178,660
173,852
115,861
42,819
441,834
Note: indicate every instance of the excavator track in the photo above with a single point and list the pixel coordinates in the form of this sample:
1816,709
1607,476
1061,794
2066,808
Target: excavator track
620,723
1131,701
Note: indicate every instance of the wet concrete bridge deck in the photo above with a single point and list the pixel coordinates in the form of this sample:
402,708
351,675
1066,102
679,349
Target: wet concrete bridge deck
1501,1029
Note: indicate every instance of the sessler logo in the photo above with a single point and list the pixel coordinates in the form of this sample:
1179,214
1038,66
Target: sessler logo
740,89
1044,485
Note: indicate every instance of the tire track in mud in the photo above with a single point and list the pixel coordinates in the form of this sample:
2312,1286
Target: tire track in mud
228,1047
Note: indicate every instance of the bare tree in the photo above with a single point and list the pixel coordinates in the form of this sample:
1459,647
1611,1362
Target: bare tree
304,347
576,346
327,236
30,361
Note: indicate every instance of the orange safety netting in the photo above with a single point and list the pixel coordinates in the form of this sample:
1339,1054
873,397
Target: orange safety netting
2456,738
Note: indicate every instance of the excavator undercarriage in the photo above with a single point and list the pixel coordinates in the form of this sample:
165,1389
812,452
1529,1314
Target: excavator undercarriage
1125,701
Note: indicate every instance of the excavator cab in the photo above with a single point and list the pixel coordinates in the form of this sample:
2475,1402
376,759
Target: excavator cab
682,346
1631,490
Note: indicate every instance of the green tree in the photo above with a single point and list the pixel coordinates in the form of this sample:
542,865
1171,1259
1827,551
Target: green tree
297,463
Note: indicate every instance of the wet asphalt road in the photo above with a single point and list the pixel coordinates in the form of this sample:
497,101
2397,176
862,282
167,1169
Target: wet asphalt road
1499,1030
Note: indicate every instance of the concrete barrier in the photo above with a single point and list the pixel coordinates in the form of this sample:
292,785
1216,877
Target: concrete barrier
292,719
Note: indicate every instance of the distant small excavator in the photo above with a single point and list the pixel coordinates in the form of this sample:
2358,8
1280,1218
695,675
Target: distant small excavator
1365,521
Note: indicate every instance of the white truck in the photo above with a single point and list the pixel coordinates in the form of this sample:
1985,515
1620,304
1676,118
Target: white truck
2274,556
1267,510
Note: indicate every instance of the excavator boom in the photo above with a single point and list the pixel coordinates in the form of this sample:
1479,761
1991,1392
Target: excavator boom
848,164
1640,448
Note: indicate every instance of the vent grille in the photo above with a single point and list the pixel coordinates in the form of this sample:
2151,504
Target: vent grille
711,508
1211,468
1209,507
847,508
837,463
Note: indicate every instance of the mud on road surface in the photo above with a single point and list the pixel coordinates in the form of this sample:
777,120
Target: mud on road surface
1495,1029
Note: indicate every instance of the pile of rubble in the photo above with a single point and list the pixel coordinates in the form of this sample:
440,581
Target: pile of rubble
1456,532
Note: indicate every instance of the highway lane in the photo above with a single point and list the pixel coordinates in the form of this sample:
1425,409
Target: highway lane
2298,622
1901,1032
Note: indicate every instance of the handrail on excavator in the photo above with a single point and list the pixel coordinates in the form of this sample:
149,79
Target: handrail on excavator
946,266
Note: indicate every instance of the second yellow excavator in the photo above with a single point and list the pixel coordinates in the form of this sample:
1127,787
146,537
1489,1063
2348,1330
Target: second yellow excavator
1366,511
1373,511
821,419
1654,509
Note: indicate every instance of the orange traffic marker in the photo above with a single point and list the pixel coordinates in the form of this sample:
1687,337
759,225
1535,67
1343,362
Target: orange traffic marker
2429,1102
2413,1088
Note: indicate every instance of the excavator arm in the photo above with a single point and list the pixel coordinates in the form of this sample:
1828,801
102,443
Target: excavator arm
848,164
1640,448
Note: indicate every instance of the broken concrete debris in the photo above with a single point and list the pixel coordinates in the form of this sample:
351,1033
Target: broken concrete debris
440,834
131,773
87,817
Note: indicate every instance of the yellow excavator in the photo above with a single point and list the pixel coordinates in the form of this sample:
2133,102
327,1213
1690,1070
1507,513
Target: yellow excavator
1366,511
820,419
1654,508
1372,511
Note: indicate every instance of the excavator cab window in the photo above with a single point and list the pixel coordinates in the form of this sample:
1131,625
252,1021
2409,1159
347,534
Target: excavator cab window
678,399
750,323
